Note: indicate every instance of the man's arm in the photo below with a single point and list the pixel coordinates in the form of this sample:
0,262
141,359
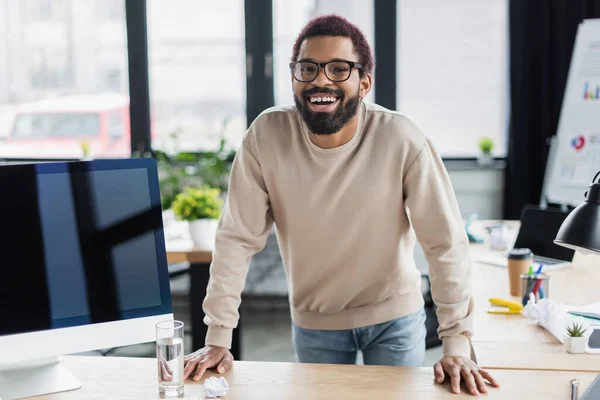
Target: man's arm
437,222
242,231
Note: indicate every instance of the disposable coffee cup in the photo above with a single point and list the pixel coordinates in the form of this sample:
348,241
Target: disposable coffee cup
519,261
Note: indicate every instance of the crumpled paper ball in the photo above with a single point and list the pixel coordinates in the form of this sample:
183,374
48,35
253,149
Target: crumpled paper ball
552,316
215,387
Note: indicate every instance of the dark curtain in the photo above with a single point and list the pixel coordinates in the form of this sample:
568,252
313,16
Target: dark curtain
542,34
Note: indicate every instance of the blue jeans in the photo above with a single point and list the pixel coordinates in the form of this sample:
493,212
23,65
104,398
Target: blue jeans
399,342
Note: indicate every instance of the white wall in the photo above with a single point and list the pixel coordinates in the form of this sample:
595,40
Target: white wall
479,191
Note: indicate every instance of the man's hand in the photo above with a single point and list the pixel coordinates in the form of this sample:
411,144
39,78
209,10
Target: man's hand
462,367
207,357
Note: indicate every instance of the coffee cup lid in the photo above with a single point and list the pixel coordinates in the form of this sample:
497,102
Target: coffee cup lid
520,254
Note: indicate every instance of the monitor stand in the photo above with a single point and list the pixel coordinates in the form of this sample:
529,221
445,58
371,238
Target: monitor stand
34,378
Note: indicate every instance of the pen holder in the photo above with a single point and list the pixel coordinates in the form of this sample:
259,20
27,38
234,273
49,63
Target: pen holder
538,284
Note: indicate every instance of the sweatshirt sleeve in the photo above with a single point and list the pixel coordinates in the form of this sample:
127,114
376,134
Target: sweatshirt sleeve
242,231
436,219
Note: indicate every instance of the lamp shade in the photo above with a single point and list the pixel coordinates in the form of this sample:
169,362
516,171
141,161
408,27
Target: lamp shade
581,229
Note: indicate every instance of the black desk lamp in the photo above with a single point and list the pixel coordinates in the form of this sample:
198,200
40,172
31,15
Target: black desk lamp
581,229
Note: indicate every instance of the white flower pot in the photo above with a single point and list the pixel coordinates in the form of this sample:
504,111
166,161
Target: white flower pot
485,159
202,232
575,345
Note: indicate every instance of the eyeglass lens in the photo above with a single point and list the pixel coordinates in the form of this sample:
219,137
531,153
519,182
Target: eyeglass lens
335,71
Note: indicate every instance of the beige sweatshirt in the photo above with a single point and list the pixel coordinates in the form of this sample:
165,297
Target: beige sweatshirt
345,220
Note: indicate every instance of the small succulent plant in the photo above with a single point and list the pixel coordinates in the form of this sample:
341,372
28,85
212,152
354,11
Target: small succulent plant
576,329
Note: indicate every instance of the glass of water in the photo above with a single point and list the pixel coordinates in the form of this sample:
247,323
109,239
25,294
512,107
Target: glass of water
169,357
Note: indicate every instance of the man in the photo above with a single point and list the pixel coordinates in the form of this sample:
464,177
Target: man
346,183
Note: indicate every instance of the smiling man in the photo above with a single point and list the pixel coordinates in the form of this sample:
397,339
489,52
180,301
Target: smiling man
348,185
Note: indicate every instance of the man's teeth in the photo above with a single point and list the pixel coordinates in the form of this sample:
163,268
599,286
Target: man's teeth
323,99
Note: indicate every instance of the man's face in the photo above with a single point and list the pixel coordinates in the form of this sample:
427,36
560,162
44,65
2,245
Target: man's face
326,105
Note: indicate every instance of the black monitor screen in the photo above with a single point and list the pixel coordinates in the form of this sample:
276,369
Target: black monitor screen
80,243
539,227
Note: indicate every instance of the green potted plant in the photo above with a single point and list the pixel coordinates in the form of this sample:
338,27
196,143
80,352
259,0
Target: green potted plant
486,145
201,208
192,169
575,339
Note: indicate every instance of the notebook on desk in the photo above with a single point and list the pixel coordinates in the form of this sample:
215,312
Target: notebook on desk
591,312
537,232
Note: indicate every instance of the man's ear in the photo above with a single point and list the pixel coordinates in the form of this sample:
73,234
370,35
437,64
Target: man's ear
365,85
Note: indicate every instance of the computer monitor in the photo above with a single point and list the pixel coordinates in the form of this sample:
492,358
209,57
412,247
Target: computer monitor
82,266
539,226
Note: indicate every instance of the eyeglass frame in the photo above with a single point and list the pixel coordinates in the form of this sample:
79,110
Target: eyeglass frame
352,64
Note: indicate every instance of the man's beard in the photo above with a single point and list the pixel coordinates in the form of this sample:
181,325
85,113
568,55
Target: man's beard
326,123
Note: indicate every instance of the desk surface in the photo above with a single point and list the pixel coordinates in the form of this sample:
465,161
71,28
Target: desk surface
135,379
533,356
188,254
513,341
575,285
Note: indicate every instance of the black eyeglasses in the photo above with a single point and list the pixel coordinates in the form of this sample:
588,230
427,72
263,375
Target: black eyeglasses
335,71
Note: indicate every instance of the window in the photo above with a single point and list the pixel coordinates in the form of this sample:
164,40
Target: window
115,126
112,10
54,90
113,80
60,125
49,68
288,20
45,10
197,68
452,71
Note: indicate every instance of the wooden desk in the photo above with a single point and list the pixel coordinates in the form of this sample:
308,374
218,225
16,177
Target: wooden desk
191,255
136,379
199,261
575,285
533,356
513,341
